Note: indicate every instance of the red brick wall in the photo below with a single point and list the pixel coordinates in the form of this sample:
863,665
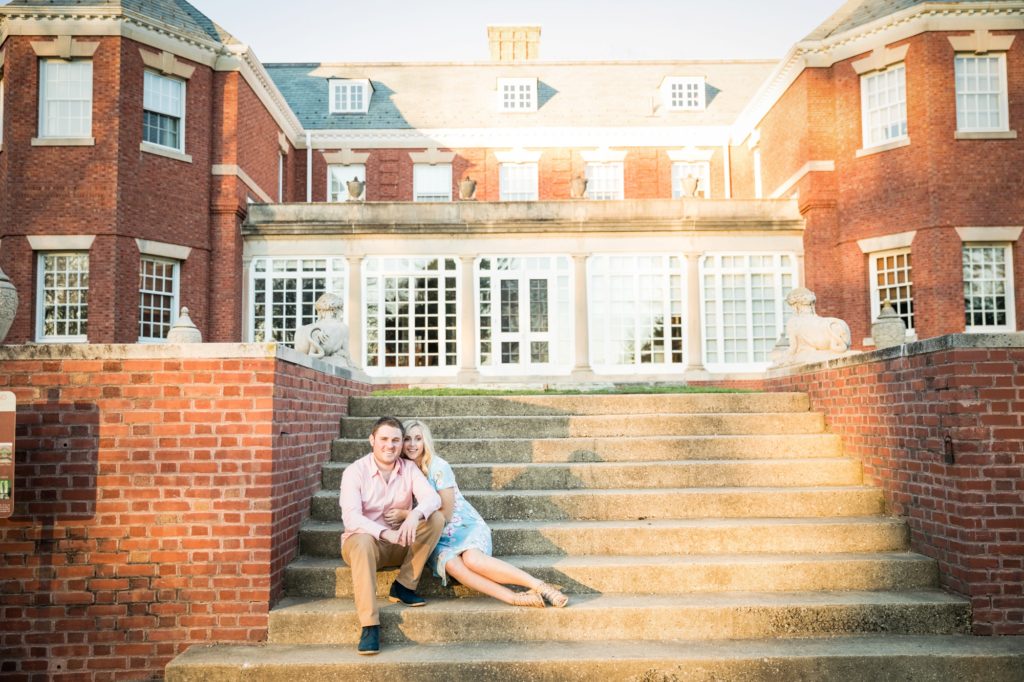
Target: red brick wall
903,416
158,499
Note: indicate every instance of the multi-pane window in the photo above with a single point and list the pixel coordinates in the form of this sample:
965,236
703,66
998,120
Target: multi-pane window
685,93
432,182
981,101
163,111
411,309
158,297
604,180
518,94
338,177
62,310
883,96
637,307
518,181
743,306
284,291
525,315
349,96
65,98
988,287
691,178
891,281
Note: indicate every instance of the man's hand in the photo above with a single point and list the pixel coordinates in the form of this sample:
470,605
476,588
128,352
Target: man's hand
390,536
395,517
407,531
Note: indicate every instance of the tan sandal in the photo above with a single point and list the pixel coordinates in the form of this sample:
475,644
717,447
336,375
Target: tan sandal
530,598
552,595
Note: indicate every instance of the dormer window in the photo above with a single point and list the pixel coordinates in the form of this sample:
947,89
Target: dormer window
684,93
350,96
517,94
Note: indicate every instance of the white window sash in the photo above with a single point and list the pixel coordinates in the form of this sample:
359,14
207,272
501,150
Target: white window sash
884,106
432,182
963,95
41,306
298,273
172,299
876,296
65,104
518,181
1008,291
605,181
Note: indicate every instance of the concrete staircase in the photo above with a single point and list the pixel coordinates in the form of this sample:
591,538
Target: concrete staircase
700,537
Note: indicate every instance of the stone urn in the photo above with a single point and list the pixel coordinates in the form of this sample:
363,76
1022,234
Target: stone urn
578,187
184,330
355,188
467,189
889,329
8,304
690,185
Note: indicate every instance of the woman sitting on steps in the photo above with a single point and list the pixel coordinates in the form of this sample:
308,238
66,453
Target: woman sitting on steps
464,550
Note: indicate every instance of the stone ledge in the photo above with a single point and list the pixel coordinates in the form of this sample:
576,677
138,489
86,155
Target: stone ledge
906,350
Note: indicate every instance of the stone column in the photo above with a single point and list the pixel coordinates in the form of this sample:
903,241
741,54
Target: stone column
693,344
467,323
354,308
581,329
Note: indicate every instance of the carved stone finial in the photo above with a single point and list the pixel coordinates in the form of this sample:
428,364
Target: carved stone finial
889,329
184,331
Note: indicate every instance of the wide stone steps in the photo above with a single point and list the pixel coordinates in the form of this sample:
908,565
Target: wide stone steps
658,574
428,407
616,617
864,658
615,449
662,503
605,475
664,537
602,425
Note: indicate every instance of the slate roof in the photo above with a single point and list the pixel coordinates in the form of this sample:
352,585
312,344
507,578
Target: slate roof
175,14
464,95
855,13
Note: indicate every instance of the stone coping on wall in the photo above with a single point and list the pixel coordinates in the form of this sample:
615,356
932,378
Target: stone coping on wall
184,351
906,350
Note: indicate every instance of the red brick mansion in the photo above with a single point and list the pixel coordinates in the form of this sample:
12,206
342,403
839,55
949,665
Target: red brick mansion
515,218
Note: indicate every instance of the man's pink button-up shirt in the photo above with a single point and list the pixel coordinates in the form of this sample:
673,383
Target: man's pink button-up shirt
365,495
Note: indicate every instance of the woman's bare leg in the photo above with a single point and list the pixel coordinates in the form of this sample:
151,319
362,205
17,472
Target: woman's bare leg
457,569
497,570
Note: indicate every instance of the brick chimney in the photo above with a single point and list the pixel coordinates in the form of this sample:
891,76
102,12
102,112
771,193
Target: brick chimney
513,43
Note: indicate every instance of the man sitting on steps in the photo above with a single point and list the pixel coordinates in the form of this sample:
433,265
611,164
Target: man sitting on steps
370,486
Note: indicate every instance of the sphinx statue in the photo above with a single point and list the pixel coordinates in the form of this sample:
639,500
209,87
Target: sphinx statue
327,338
810,337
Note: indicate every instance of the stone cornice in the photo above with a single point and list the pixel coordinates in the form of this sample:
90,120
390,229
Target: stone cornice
167,64
252,70
932,16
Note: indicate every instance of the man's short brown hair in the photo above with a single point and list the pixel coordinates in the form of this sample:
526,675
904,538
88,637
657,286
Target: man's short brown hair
387,421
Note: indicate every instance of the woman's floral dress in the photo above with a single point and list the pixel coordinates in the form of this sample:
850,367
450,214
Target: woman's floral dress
466,530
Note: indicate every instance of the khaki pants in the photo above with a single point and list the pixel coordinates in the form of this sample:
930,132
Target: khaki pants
364,554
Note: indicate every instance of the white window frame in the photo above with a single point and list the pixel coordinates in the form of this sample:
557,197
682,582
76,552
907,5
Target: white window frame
1008,289
335,87
670,275
610,176
510,95
514,176
876,295
161,108
684,93
174,297
298,272
46,130
876,132
1002,105
421,179
375,271
338,175
41,336
558,271
783,271
703,176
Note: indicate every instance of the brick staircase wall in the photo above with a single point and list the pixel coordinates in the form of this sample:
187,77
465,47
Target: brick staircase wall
158,499
939,426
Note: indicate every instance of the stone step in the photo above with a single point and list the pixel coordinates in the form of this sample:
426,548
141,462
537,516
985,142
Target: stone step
663,503
643,574
621,449
673,537
423,407
727,615
694,474
601,426
863,658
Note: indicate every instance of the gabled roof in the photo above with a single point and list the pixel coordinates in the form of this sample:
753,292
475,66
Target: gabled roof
569,94
177,15
855,13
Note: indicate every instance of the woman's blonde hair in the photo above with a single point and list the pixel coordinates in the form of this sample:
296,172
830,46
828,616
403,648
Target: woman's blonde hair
428,443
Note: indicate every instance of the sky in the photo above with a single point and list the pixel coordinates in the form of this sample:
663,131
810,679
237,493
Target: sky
455,30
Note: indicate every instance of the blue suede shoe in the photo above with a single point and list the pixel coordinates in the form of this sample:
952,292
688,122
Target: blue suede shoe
401,593
369,641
